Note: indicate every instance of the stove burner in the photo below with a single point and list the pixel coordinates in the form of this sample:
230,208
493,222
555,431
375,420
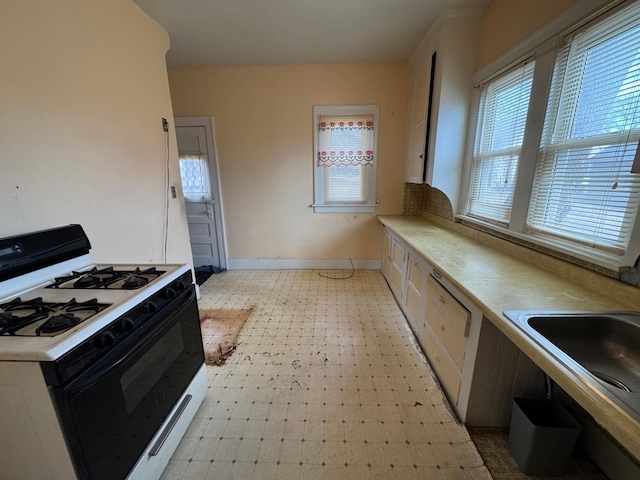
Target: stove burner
19,314
134,282
107,277
9,323
86,281
58,323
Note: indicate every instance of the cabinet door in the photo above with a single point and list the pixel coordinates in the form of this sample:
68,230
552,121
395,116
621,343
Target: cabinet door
414,165
439,104
386,255
415,159
420,92
458,40
414,292
398,262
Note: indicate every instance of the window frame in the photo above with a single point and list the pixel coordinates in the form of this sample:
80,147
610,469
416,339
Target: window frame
542,47
320,205
480,156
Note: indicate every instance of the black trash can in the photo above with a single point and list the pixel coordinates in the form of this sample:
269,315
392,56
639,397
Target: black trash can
541,436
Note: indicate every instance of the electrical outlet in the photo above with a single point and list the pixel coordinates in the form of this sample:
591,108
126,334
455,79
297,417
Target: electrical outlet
165,125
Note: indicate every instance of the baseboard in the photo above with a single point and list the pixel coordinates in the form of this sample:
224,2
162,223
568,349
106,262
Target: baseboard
303,263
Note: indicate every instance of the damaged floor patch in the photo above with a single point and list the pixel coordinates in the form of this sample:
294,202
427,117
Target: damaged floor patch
220,330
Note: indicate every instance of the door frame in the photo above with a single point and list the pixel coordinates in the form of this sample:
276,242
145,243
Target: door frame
214,177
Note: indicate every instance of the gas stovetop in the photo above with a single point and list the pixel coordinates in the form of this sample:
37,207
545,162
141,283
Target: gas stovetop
31,315
69,299
44,314
53,296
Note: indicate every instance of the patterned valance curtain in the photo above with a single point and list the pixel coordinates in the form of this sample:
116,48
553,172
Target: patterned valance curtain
345,140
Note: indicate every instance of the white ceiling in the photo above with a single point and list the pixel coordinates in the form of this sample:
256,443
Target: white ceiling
288,32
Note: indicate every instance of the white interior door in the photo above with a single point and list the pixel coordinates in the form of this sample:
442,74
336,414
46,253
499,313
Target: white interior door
201,188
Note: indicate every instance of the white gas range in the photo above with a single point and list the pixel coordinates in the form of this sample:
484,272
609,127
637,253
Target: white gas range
101,366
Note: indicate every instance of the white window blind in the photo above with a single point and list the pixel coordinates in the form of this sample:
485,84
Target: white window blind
500,128
345,152
583,189
194,172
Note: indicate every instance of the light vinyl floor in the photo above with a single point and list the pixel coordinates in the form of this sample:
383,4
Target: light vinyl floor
326,383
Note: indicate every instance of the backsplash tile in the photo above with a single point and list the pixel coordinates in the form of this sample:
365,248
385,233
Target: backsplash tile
419,198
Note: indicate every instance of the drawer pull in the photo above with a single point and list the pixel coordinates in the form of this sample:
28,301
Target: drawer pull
172,423
441,299
442,327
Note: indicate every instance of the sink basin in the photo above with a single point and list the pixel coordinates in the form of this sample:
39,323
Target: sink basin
601,348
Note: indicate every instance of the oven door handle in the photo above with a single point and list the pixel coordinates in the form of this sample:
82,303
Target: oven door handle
99,371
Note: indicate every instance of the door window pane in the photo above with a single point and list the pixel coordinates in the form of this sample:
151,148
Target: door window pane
194,172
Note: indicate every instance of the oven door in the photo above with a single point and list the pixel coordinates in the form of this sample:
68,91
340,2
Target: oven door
111,412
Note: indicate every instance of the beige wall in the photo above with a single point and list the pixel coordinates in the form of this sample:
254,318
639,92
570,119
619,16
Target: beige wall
83,90
263,128
508,22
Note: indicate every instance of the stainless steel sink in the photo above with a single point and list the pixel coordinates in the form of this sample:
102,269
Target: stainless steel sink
602,348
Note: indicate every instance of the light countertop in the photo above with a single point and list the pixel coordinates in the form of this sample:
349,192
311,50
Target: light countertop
497,281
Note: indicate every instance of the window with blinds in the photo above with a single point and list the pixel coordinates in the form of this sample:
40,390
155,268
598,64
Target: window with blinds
344,164
583,188
500,129
556,142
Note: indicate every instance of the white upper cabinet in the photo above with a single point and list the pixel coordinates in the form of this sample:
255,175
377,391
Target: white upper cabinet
442,69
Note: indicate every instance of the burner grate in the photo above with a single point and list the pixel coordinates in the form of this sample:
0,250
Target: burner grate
36,317
108,278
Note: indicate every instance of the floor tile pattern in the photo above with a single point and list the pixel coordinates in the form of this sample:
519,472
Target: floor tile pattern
493,446
326,383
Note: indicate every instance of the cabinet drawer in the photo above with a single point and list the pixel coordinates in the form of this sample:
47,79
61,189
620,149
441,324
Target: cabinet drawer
444,370
457,315
450,338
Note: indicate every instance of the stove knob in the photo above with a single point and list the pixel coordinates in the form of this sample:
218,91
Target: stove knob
106,339
168,293
179,285
149,307
125,325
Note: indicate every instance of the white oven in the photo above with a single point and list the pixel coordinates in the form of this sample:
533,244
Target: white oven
101,366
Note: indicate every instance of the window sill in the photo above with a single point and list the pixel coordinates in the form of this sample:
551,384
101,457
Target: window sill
344,208
565,250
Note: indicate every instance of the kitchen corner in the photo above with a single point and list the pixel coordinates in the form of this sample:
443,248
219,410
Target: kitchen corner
496,275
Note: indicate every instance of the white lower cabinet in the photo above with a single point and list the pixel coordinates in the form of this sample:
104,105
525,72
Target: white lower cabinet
450,339
413,299
386,254
464,349
397,268
445,323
